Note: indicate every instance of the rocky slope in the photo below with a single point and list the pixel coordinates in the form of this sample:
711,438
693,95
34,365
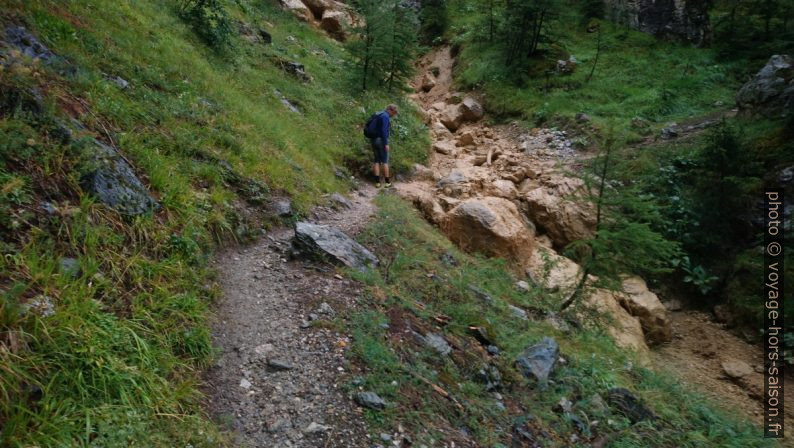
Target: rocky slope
506,193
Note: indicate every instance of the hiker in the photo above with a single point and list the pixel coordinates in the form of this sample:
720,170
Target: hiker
377,129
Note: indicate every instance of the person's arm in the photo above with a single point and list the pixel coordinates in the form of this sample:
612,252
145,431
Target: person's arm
385,130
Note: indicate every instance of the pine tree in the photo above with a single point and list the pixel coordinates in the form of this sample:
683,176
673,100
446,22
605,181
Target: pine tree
403,43
367,44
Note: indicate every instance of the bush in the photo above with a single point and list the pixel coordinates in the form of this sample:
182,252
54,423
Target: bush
209,20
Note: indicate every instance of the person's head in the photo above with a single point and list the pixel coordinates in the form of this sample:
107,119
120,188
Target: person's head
391,109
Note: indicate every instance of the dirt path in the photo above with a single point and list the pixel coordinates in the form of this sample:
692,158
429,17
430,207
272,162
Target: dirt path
278,381
696,354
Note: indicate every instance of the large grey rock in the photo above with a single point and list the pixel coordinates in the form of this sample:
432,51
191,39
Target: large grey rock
681,19
321,241
113,182
771,90
471,109
370,400
537,361
437,343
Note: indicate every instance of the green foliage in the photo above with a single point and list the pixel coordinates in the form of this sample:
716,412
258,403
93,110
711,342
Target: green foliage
209,20
697,275
386,43
434,19
753,29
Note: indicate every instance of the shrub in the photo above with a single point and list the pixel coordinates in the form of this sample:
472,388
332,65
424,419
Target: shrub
209,20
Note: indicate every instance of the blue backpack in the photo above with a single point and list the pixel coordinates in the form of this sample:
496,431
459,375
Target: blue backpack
370,127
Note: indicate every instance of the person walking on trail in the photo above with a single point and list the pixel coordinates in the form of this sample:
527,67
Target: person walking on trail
378,132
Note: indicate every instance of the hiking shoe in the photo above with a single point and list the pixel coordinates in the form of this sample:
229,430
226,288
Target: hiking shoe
387,184
378,185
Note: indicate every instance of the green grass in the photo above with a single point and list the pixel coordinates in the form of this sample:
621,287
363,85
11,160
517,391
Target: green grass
402,294
637,77
118,363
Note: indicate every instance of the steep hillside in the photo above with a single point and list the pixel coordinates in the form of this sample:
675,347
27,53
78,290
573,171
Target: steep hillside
130,147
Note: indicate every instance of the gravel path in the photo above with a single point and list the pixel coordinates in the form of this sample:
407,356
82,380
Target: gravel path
279,379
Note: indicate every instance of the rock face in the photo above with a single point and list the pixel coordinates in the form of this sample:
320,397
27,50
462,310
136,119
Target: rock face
298,9
114,183
489,225
538,361
646,306
680,19
332,16
771,90
19,38
331,243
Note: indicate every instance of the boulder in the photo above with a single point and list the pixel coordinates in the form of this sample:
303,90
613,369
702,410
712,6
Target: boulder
736,369
436,342
421,172
113,182
552,271
338,201
501,188
444,147
423,200
564,220
470,109
318,7
646,306
299,9
334,22
282,207
465,139
489,225
326,242
624,328
537,361
451,117
370,400
771,90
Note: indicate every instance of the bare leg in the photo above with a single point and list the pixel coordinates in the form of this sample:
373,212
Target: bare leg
386,170
376,169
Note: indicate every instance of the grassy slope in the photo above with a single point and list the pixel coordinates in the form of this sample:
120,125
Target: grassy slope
637,76
118,362
403,292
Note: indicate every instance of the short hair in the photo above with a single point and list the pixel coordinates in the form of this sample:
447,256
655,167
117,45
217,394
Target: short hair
392,107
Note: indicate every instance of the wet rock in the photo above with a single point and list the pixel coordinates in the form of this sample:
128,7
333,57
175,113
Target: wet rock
646,306
338,201
114,183
628,405
69,267
370,400
537,361
736,369
491,226
771,90
326,242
